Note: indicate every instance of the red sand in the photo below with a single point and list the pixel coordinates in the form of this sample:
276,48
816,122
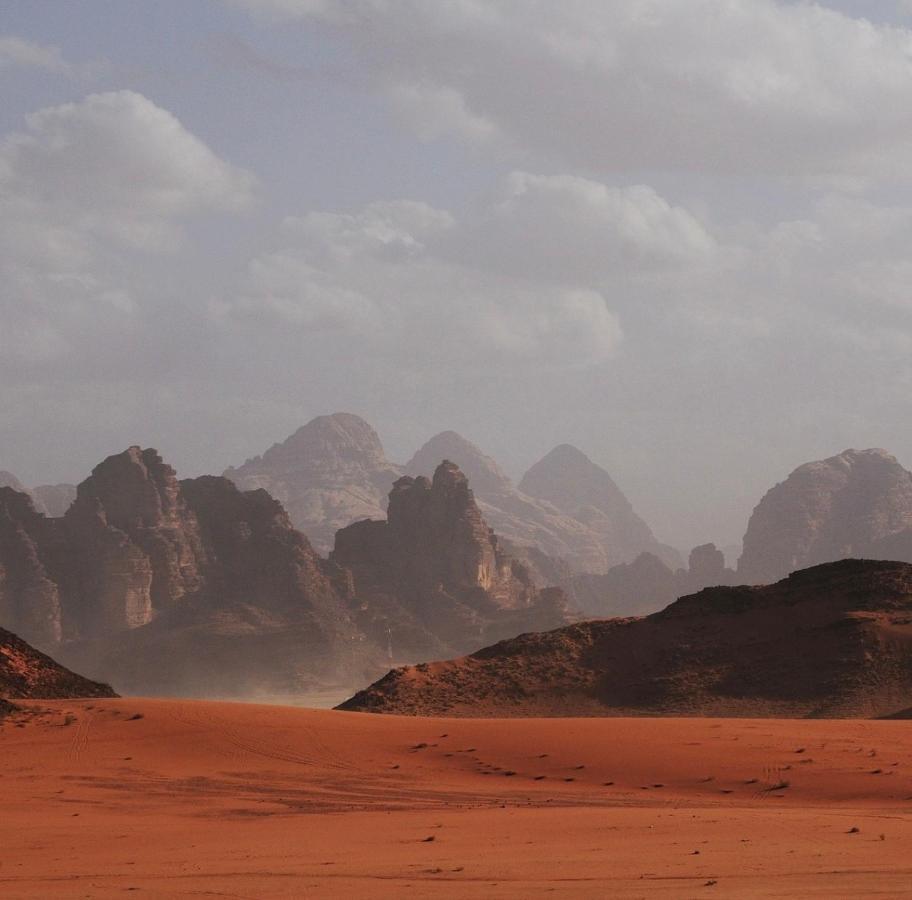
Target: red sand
241,801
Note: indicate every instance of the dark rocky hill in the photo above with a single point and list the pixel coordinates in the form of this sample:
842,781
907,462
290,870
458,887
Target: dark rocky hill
27,674
833,640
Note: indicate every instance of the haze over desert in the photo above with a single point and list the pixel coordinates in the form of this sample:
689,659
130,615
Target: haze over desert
455,449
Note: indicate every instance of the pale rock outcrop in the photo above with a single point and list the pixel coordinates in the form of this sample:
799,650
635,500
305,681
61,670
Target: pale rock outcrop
328,474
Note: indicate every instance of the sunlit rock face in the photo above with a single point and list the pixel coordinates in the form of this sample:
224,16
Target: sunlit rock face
433,578
328,474
845,506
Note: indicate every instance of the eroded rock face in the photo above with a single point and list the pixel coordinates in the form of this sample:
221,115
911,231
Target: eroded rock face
433,576
554,521
835,508
575,485
134,544
834,640
328,474
175,587
29,596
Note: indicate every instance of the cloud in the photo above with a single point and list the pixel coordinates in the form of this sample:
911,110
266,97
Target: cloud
83,190
18,52
522,277
737,86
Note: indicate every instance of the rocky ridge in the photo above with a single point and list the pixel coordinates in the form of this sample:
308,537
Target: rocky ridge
590,537
834,640
26,674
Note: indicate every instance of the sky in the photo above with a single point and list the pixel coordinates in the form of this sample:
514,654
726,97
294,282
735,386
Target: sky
675,233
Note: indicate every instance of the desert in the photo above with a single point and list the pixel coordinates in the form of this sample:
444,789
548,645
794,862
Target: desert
179,798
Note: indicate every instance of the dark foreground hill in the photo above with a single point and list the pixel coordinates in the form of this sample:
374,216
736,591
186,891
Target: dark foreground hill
27,674
831,641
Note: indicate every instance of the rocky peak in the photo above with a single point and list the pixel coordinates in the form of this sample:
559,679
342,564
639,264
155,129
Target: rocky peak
827,510
570,480
574,484
55,498
329,473
7,479
707,564
138,496
134,489
432,577
482,471
344,436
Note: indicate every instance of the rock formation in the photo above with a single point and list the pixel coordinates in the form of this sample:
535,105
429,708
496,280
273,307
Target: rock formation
590,539
54,498
834,640
197,587
827,510
647,585
27,674
160,585
571,482
29,595
328,474
433,577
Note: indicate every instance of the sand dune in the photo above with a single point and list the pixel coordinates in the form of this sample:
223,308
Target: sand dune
181,798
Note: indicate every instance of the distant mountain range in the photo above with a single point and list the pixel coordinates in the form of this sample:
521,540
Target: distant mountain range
334,471
166,586
50,499
206,586
834,640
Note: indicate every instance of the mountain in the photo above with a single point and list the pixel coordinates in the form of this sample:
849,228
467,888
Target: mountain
177,587
328,474
568,480
433,578
50,499
196,587
827,510
7,479
27,674
647,585
585,537
55,499
834,640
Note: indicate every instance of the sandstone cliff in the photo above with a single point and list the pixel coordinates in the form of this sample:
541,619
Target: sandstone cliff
433,578
328,474
589,538
834,640
831,509
177,587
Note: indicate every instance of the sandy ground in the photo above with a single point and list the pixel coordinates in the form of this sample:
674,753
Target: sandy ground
183,799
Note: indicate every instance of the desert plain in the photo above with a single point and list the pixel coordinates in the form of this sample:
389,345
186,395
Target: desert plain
175,798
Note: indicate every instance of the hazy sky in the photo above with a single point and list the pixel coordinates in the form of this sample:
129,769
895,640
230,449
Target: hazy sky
676,233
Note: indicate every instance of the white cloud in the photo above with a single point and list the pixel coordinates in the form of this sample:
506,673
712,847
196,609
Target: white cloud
404,279
18,52
719,86
579,231
81,190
